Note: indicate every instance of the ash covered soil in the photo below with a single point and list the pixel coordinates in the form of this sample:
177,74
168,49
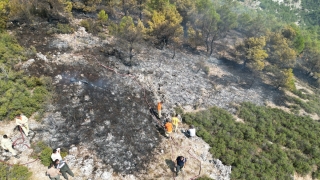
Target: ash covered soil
102,116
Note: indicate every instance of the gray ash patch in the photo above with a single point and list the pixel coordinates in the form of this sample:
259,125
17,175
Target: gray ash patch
104,111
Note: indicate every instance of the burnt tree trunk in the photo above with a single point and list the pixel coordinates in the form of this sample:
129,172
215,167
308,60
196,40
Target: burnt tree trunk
174,51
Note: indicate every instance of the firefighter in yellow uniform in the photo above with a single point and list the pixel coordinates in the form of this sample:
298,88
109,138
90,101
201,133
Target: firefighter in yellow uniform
175,122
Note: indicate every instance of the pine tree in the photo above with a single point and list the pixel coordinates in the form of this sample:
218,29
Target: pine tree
165,25
255,53
130,34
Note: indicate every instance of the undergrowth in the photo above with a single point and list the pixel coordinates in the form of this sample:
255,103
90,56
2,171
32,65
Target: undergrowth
19,93
311,105
15,172
270,144
43,152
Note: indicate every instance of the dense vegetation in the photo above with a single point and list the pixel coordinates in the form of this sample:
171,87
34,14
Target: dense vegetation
269,144
19,93
309,103
272,45
43,152
15,172
307,15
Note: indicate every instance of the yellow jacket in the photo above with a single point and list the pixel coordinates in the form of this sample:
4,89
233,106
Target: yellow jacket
175,121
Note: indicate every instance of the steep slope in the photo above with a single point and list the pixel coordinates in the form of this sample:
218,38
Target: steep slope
100,110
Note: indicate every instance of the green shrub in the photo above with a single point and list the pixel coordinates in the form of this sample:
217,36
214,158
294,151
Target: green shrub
204,178
92,26
270,144
86,25
45,156
19,93
300,94
63,153
102,16
64,28
179,110
311,106
102,36
316,175
206,70
16,172
43,152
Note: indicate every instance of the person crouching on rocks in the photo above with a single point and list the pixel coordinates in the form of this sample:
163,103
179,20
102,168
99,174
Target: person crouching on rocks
6,144
22,121
63,167
191,132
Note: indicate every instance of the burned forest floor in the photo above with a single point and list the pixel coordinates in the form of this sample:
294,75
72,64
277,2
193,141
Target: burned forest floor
100,107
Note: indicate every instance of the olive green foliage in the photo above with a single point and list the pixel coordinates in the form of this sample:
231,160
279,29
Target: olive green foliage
281,77
15,172
64,28
86,5
298,41
164,25
10,50
18,93
284,13
91,26
207,25
102,16
281,52
86,25
312,105
43,152
289,79
179,110
129,35
63,153
61,29
3,14
204,178
270,144
28,11
310,17
255,53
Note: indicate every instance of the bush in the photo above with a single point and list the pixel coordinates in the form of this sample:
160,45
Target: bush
204,178
15,87
15,172
64,29
102,16
86,25
18,172
92,26
255,148
43,152
206,70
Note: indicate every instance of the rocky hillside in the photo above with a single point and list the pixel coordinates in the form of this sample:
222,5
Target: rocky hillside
100,107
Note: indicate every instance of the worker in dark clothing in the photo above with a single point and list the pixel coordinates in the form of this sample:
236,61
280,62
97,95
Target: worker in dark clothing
180,163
